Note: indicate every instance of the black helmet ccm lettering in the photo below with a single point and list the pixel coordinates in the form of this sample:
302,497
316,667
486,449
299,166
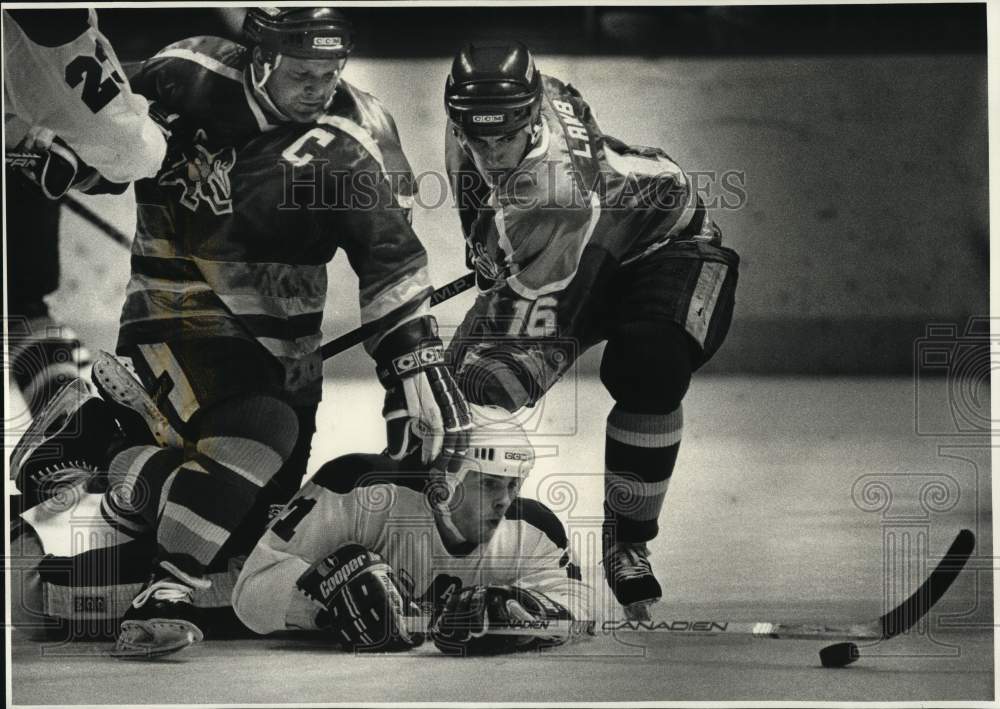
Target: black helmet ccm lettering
493,89
301,32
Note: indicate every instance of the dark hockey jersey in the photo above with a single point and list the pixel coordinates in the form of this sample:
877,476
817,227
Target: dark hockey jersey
576,187
235,232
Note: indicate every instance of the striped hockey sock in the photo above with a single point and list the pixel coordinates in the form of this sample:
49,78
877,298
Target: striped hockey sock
240,447
639,456
137,477
196,498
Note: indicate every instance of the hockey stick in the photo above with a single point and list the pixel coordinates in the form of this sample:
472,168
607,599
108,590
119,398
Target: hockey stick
28,161
360,334
80,209
896,621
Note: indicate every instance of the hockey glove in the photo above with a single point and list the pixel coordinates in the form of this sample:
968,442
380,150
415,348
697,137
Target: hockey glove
51,164
360,601
420,389
463,625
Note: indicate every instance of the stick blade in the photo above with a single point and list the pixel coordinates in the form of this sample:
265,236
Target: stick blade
909,612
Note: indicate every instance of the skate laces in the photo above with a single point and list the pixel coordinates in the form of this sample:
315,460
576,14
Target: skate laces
629,561
164,590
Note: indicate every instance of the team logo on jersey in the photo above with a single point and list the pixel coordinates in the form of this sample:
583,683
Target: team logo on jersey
204,177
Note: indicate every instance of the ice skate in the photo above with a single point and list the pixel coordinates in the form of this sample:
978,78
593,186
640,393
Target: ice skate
631,579
140,418
161,620
43,358
67,441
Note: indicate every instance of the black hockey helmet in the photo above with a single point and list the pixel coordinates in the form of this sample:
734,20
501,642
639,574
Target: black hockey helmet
493,89
301,32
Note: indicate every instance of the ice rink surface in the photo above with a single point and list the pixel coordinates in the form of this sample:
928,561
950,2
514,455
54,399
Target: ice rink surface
793,500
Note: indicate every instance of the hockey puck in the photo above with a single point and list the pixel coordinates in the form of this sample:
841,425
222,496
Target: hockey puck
839,655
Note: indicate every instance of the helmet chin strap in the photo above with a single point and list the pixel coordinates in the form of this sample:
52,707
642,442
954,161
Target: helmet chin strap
444,519
261,92
441,510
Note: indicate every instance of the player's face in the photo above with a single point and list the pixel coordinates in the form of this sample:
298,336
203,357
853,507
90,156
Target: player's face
483,501
500,153
303,88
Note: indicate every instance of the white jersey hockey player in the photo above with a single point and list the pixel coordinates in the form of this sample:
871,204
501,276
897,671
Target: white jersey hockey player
460,545
61,79
367,543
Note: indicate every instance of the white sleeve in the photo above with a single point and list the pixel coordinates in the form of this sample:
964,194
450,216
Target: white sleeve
79,91
553,570
314,524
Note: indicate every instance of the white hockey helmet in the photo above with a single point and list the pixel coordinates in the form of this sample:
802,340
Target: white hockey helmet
498,446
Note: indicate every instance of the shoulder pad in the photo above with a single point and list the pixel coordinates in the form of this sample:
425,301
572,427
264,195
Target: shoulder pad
217,49
357,470
540,517
556,89
367,111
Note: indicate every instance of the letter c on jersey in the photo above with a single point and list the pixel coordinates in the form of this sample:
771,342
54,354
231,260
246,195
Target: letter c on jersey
292,153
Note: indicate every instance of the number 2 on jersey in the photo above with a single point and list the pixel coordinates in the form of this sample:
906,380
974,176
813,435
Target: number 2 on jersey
90,70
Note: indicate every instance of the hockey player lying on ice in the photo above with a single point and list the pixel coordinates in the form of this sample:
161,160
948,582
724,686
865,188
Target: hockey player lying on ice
366,541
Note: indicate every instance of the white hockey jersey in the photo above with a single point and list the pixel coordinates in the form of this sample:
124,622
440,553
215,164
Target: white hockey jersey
78,89
387,512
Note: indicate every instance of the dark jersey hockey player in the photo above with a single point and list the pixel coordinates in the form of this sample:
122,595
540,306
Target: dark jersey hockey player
577,238
274,163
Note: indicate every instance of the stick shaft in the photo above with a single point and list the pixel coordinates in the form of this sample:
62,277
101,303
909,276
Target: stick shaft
82,210
896,621
28,160
360,334
773,631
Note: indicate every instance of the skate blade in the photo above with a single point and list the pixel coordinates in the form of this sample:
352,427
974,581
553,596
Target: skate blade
639,610
140,640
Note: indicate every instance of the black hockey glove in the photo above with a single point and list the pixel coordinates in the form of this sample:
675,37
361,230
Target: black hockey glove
51,164
463,625
420,390
361,602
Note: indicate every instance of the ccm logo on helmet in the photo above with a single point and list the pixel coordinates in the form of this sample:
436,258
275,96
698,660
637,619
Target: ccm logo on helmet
328,42
514,455
488,118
